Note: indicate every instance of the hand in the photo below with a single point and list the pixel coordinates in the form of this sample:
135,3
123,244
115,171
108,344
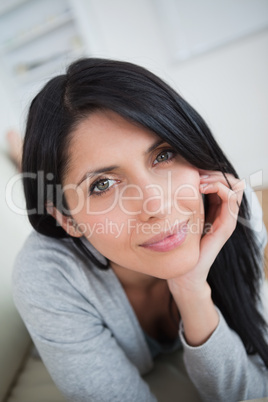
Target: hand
191,291
221,220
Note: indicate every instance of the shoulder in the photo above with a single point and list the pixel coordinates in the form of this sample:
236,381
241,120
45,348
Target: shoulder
41,255
39,246
47,269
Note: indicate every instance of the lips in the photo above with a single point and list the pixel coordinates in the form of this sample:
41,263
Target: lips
168,240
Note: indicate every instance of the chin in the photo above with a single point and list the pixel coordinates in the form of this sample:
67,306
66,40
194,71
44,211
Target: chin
177,267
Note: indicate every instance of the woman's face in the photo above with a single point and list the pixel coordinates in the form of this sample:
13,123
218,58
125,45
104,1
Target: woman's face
133,197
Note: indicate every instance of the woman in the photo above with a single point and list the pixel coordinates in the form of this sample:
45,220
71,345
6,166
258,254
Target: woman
141,230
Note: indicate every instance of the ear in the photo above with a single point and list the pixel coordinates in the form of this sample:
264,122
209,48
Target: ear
66,222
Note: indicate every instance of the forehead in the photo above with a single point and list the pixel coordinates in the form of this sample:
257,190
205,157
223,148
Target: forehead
103,138
106,130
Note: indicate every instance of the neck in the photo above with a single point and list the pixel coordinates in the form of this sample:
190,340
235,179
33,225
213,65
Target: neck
133,279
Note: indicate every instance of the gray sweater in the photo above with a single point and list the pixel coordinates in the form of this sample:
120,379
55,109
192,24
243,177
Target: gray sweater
89,337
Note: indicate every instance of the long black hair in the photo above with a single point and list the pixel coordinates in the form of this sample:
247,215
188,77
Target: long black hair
144,99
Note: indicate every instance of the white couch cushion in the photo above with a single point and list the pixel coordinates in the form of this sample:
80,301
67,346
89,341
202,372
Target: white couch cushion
167,380
14,339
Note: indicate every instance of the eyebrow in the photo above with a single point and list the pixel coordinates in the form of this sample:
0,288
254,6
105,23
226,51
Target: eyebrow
154,146
104,169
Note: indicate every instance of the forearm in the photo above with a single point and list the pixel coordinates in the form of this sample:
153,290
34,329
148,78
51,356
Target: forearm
221,369
198,314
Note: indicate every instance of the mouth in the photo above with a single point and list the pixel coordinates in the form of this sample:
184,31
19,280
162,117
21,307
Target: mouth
168,240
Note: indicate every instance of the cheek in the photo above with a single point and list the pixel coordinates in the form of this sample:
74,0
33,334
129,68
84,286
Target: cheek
79,201
108,237
75,197
187,196
105,231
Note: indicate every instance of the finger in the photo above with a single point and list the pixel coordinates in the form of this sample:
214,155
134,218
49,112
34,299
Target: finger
237,185
225,193
208,172
224,178
229,208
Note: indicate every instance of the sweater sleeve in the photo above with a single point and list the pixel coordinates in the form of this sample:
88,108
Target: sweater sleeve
78,349
221,369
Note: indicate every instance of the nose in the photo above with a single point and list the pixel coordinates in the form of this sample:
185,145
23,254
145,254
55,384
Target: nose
155,202
145,200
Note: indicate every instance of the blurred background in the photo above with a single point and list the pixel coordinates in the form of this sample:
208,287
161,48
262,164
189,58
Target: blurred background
213,52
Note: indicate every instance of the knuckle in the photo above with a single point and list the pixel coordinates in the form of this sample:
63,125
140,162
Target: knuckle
232,196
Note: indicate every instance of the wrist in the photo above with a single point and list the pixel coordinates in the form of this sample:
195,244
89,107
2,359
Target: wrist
188,294
198,314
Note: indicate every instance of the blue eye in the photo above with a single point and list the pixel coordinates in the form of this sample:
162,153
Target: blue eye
164,156
101,186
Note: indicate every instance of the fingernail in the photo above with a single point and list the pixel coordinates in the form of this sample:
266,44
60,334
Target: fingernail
204,185
204,176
